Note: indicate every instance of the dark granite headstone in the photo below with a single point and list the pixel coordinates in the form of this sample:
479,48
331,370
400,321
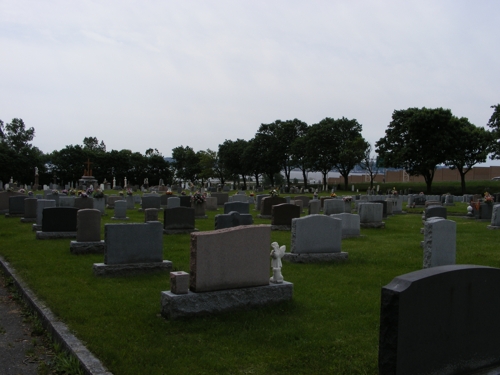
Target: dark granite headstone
185,200
16,204
232,219
178,218
282,214
485,211
4,199
419,200
241,207
84,203
221,198
267,204
440,320
59,219
435,211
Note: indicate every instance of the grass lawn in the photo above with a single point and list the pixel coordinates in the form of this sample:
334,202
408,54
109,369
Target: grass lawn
330,327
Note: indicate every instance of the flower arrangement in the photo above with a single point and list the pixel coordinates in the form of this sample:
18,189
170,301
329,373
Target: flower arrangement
64,192
274,193
183,193
333,195
72,192
121,193
168,192
251,194
129,191
198,198
98,193
22,191
82,194
489,199
347,199
55,192
30,193
394,191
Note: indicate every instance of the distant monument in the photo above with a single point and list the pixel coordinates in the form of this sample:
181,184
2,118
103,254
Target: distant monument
87,178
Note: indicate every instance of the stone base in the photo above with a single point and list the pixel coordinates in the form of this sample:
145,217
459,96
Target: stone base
380,224
281,227
175,306
316,257
54,235
120,218
201,217
13,215
101,269
36,227
97,247
492,227
264,216
28,220
179,231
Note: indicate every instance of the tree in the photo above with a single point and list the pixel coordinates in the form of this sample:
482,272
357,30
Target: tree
319,145
471,145
417,139
281,136
370,165
262,158
231,156
300,156
92,144
186,163
494,123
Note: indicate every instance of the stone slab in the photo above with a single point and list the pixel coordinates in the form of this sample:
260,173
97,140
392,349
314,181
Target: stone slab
316,257
97,247
174,306
101,269
54,235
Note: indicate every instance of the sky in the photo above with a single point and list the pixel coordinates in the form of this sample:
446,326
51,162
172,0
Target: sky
162,74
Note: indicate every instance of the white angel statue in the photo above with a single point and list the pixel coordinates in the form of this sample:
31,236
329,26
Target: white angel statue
276,254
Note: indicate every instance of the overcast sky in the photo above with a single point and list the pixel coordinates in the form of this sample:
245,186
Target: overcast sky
161,74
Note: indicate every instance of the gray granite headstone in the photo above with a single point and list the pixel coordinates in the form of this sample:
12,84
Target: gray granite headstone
221,198
133,243
67,201
151,202
440,238
173,202
435,211
30,205
370,212
440,320
495,217
120,212
350,224
258,201
211,204
41,204
16,204
314,207
151,214
4,199
316,234
241,207
333,206
232,219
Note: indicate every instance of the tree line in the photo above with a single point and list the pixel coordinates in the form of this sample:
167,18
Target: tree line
417,139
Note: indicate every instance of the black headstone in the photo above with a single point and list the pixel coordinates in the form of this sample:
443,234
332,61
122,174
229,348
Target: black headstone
178,218
241,207
282,214
59,219
185,201
232,219
440,320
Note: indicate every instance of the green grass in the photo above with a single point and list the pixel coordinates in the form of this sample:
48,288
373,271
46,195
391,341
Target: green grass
331,326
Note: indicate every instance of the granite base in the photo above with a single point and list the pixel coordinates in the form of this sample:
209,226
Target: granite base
120,218
101,269
174,306
54,235
36,227
286,228
316,257
94,247
28,220
13,215
379,224
179,231
493,227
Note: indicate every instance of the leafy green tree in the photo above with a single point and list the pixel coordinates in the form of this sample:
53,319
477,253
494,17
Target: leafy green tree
68,164
212,166
260,157
369,164
281,136
471,145
157,167
254,161
92,144
417,139
18,156
186,163
231,156
494,124
319,147
300,156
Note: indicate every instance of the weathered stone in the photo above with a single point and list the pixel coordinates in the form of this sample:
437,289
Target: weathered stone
151,214
316,234
314,207
179,282
350,224
439,242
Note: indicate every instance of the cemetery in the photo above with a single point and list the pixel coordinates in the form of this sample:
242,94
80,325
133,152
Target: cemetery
213,299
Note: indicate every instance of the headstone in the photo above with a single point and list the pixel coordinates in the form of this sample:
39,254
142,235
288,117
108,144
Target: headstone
258,201
53,197
314,207
238,198
40,205
100,204
221,198
370,215
211,203
173,202
130,202
151,214
30,205
232,219
16,205
230,258
88,227
178,220
435,211
384,207
267,203
350,224
282,215
112,199
305,200
441,320
315,234
440,237
132,249
67,201
241,207
495,218
151,202
4,200
58,222
185,201
485,211
120,212
84,203
333,206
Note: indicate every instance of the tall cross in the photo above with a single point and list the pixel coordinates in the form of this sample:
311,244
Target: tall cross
88,171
